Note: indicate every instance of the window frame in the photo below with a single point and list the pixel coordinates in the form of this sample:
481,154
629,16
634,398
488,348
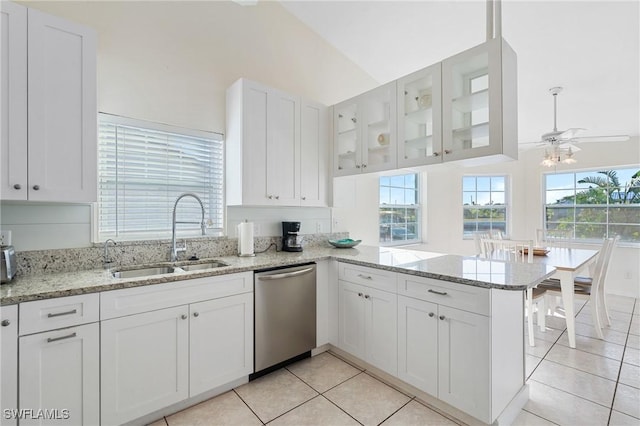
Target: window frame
595,171
418,211
142,235
507,201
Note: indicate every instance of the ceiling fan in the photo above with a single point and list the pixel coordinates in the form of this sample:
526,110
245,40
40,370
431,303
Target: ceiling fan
560,137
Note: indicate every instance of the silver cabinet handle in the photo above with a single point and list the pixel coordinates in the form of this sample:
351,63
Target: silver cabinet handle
339,167
55,339
447,151
364,166
304,198
431,314
277,197
366,277
183,316
270,197
195,314
36,187
436,154
59,314
360,294
5,323
366,296
286,275
17,186
441,293
357,166
441,317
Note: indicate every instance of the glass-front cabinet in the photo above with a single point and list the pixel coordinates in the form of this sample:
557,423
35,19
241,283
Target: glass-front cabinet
365,132
419,103
479,113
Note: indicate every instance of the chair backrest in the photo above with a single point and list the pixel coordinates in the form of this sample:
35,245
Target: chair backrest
553,237
509,250
604,259
495,234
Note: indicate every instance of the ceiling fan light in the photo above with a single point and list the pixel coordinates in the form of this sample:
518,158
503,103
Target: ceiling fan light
569,160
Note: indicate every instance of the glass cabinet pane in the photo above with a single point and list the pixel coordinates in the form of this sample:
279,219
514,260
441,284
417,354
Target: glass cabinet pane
347,135
418,118
379,131
469,103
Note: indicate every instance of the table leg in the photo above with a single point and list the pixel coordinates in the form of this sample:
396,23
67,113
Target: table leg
566,287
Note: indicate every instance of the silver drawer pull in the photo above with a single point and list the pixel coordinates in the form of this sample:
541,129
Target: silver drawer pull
59,314
441,293
6,323
55,339
366,296
366,277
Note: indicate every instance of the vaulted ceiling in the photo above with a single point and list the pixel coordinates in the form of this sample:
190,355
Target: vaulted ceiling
591,48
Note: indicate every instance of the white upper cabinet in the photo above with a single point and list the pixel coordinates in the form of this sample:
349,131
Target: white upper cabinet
479,96
276,148
49,119
365,132
420,118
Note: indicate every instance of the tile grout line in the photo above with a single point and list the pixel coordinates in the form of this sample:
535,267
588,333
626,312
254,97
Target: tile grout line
249,407
539,416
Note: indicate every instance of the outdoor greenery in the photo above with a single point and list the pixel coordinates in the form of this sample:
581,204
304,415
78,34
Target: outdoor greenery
601,206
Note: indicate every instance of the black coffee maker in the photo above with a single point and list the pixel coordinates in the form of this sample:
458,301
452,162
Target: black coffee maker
291,238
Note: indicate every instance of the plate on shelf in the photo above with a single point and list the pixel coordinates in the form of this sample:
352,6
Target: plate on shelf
537,251
344,243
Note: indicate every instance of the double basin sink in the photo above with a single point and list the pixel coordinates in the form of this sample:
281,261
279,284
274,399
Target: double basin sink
148,271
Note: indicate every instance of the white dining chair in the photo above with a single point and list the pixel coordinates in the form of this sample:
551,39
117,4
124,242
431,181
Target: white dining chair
518,251
479,235
590,288
553,237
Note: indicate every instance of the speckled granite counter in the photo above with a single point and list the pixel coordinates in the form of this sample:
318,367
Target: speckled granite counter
459,269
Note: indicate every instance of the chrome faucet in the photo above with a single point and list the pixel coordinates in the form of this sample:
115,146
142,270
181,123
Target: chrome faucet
106,261
203,225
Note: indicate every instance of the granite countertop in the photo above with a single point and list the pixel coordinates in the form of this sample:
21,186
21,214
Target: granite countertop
454,268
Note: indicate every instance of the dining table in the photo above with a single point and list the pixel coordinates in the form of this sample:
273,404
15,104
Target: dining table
569,263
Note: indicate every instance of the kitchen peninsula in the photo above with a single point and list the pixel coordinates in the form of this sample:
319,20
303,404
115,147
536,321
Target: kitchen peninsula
446,328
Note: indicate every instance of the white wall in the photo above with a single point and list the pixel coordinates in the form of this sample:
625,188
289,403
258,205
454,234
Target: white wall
171,62
442,214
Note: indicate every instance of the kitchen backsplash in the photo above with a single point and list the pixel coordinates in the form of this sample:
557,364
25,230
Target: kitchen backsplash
140,252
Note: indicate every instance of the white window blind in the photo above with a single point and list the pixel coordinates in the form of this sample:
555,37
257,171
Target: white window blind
143,167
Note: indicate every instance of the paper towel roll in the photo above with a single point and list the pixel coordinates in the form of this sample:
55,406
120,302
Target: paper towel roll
245,239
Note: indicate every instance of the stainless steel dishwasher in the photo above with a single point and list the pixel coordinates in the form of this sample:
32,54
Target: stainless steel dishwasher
285,315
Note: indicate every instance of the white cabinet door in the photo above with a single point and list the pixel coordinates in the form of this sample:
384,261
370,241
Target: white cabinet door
283,149
418,343
221,342
9,361
144,363
479,116
347,138
420,118
379,129
351,319
13,75
62,147
59,370
381,330
314,152
463,361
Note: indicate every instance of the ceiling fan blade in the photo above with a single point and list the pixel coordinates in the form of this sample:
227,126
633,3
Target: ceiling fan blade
611,138
570,133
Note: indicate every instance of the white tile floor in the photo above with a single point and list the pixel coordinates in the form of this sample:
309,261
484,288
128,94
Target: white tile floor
598,383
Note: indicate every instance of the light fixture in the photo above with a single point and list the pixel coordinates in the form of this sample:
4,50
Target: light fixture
557,156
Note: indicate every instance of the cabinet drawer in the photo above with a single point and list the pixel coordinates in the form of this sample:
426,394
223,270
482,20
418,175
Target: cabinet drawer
371,277
460,296
49,314
118,303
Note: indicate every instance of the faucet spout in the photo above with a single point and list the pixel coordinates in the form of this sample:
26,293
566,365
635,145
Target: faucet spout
106,260
202,223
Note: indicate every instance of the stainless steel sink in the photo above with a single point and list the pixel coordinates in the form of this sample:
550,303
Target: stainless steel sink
200,266
143,272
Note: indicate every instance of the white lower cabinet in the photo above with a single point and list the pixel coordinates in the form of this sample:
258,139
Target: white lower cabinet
9,362
59,374
144,363
221,342
445,352
368,325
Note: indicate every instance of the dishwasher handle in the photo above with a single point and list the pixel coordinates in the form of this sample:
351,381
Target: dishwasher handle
285,275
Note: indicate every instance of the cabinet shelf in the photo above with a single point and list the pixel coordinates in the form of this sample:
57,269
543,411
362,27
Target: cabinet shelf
418,143
379,124
348,132
472,102
472,132
420,116
379,148
348,154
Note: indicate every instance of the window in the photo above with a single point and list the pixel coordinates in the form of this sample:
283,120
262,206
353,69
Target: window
399,209
484,204
595,204
142,169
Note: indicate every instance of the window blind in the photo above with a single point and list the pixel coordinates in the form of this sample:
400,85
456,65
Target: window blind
142,169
